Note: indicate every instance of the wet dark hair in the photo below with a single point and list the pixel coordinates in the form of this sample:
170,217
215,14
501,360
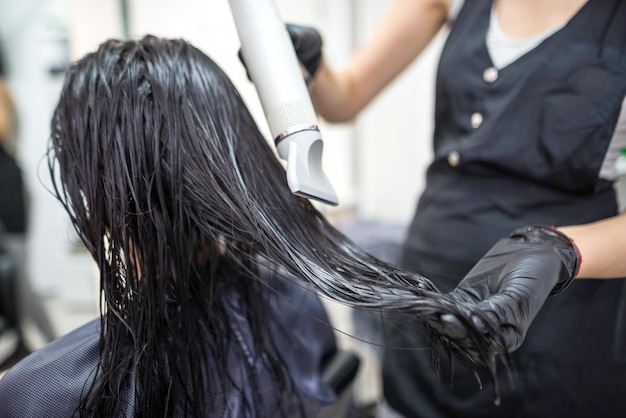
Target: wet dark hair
174,191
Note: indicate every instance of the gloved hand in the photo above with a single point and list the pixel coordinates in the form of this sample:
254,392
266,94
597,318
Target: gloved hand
307,43
505,290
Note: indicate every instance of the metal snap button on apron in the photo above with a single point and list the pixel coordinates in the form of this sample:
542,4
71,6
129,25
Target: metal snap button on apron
490,74
476,120
454,158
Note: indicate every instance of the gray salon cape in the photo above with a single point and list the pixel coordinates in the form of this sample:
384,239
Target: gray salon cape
48,383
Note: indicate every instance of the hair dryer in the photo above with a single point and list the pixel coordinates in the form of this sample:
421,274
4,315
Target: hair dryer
273,67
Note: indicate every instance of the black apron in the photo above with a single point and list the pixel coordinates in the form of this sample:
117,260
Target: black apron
517,146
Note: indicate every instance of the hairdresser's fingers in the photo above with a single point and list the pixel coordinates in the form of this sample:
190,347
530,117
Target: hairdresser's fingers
307,43
500,338
451,326
509,340
504,339
454,324
456,328
503,319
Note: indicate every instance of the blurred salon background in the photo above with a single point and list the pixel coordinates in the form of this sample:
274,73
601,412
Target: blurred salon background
376,163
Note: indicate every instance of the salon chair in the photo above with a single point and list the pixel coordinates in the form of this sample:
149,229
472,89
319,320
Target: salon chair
338,372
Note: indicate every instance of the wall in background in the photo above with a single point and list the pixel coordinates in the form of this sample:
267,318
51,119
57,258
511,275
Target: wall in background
35,35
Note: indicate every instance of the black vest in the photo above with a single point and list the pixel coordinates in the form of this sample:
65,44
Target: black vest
545,125
518,146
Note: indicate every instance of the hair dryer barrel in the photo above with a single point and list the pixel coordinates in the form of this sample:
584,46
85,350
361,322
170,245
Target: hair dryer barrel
273,67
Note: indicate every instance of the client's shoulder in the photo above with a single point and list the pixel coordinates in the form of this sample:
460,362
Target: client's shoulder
50,381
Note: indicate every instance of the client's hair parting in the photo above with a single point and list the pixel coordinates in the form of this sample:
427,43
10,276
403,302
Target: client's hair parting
176,193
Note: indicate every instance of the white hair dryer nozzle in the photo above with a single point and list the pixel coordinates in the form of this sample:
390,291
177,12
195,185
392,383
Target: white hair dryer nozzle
273,67
303,152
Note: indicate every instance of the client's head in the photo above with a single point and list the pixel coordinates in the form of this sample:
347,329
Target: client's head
176,194
159,159
174,190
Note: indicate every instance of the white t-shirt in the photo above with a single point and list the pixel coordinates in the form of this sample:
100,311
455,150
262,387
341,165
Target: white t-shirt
503,50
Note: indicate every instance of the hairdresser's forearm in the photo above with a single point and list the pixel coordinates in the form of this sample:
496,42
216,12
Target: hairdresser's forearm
333,95
406,30
602,245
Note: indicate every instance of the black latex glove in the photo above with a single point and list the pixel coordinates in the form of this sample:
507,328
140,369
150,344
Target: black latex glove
307,43
505,290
